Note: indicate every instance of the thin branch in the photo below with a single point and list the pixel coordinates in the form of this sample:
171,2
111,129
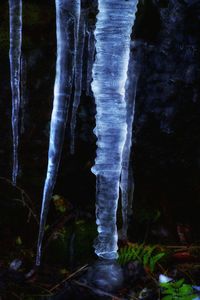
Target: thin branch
69,277
26,200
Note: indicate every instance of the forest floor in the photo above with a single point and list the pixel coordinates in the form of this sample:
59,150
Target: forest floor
170,273
152,271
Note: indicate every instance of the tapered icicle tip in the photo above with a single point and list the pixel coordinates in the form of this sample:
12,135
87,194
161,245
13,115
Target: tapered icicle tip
67,13
38,260
38,257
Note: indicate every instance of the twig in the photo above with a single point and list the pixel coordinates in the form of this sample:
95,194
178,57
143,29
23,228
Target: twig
97,290
26,200
57,226
68,278
183,247
31,212
15,295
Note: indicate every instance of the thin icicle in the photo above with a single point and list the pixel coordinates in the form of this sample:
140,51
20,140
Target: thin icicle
83,73
23,92
15,10
67,15
78,76
90,62
127,180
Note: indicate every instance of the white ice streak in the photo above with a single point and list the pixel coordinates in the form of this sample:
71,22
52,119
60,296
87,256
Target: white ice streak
15,12
112,34
67,19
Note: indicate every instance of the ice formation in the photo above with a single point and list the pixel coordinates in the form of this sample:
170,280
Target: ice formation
15,11
127,180
23,104
112,34
85,43
67,20
78,74
91,54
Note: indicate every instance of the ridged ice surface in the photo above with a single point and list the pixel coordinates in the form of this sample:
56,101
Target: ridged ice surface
67,20
114,24
15,11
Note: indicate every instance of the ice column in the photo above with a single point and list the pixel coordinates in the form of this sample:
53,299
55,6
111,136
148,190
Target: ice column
15,11
113,30
67,19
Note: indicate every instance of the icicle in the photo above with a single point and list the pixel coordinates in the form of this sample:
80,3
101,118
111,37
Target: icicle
23,92
78,76
15,10
67,14
126,183
90,62
112,34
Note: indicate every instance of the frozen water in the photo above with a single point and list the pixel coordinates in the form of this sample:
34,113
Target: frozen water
15,11
126,182
112,34
67,20
90,62
78,74
24,99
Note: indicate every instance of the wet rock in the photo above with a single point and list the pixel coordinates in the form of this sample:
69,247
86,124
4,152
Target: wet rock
147,294
105,275
133,271
15,264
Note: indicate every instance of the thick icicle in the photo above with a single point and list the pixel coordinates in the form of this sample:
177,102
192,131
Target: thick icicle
23,92
112,34
126,183
67,18
15,10
78,75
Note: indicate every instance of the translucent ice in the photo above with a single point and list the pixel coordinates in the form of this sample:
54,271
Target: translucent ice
78,74
126,182
84,62
67,19
15,11
112,34
24,99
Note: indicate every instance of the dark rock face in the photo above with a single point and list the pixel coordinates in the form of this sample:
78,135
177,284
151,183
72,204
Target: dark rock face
167,121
